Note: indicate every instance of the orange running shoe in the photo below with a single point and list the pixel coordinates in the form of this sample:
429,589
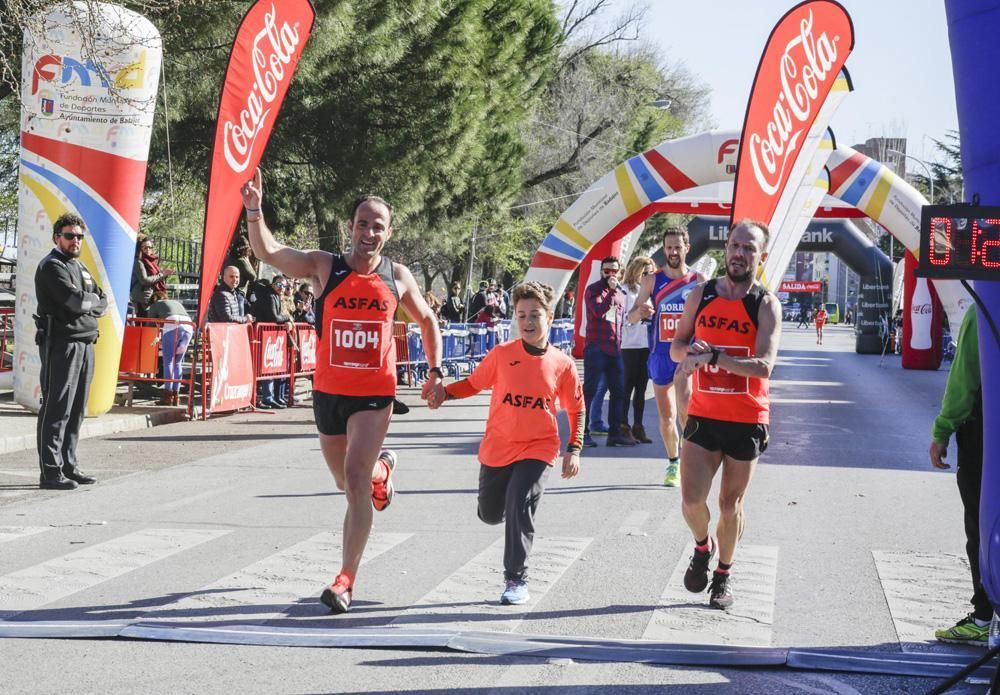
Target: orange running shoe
338,595
383,490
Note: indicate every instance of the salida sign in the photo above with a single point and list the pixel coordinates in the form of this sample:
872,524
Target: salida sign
801,286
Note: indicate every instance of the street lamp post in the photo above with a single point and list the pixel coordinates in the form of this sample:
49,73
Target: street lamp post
930,175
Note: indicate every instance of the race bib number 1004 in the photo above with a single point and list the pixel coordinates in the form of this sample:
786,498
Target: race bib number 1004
668,327
356,344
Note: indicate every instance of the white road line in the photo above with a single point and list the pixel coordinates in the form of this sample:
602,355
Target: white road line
793,382
207,494
469,599
632,526
808,401
54,579
12,533
20,474
925,591
685,617
267,588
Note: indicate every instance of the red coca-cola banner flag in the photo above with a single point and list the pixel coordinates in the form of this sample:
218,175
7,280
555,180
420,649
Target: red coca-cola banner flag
800,63
265,54
801,286
232,366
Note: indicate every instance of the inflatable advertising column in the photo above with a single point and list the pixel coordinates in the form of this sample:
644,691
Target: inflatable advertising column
89,78
922,320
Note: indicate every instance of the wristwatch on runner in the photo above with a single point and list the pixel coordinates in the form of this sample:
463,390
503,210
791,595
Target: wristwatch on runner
436,370
715,357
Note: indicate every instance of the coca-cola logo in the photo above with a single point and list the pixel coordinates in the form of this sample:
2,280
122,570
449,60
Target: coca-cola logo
273,48
308,347
921,309
274,352
804,66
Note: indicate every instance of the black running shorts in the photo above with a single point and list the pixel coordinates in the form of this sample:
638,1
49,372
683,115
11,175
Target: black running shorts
332,412
742,441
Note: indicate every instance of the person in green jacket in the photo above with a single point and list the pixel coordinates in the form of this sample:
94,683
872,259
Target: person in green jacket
962,415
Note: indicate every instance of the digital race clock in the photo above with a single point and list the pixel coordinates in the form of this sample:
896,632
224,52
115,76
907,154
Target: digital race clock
959,242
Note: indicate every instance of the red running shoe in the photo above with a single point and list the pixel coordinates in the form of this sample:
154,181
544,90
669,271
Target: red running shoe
338,595
383,490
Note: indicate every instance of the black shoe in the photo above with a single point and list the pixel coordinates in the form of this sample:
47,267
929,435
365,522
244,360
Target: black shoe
56,484
696,577
619,440
588,441
80,477
266,405
721,591
280,403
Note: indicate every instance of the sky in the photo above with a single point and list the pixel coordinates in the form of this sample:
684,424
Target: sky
900,65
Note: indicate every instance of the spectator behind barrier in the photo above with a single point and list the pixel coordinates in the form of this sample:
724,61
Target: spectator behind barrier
305,311
453,310
147,276
268,308
478,301
228,305
174,340
242,258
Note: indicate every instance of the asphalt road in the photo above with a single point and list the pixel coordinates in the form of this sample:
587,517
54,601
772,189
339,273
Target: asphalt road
852,541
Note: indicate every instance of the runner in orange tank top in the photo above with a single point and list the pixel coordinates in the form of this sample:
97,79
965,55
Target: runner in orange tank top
355,380
728,339
527,376
821,317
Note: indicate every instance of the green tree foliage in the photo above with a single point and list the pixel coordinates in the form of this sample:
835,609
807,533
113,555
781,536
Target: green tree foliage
417,100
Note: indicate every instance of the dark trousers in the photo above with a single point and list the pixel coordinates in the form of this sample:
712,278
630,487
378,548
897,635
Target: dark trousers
969,442
636,380
67,368
596,363
513,492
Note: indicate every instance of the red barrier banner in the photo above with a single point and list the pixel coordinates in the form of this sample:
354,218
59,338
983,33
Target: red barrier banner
265,54
800,63
273,351
307,348
232,366
801,286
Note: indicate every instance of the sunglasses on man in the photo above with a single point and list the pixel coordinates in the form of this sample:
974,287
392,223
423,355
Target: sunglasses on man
70,236
609,271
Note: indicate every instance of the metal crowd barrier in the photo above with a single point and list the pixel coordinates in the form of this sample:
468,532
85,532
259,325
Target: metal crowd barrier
141,350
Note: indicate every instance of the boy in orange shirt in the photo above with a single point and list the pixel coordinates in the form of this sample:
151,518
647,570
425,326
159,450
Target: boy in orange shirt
527,376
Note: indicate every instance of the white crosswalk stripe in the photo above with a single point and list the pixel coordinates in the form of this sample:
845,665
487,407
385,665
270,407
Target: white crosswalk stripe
13,533
54,579
267,588
469,599
924,591
685,617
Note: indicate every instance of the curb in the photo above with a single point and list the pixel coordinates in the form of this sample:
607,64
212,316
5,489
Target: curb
114,421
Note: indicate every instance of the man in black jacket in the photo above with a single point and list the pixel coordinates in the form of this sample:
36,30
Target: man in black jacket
453,309
69,304
228,305
267,309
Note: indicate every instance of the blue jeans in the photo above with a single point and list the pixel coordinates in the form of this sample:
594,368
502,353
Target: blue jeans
595,365
174,340
597,405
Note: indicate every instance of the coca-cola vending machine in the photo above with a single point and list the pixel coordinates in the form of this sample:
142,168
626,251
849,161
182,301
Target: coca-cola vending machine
923,320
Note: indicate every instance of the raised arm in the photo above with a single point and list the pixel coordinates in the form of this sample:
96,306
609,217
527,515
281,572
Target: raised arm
290,261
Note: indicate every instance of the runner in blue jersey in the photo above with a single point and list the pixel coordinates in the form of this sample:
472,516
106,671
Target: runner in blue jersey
661,298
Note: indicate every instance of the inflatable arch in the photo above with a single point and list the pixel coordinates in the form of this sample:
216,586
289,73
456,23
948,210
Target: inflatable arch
841,237
656,181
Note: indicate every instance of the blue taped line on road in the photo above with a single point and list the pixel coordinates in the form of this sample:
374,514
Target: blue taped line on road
265,636
634,651
930,665
62,629
927,665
